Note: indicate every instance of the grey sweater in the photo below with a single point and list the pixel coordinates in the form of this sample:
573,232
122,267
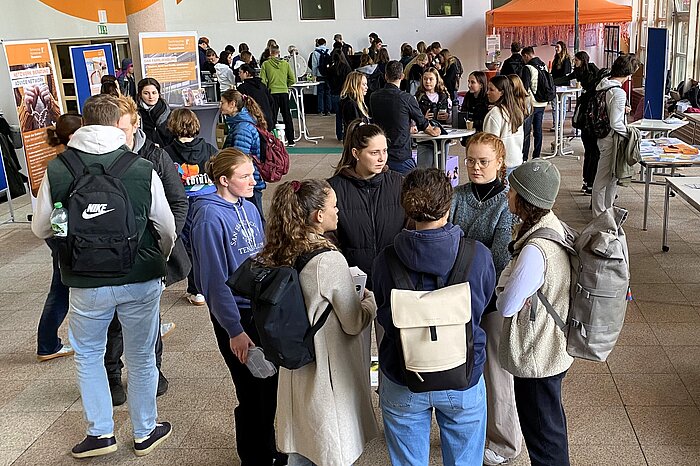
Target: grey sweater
490,223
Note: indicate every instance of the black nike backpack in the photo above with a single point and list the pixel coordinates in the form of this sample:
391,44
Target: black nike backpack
102,236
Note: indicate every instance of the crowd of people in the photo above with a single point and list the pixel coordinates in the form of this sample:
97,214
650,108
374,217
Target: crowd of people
198,214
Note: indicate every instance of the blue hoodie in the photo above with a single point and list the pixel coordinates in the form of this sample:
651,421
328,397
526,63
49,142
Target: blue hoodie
221,235
243,135
431,252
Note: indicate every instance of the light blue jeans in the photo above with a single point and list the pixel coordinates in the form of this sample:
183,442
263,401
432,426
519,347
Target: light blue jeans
91,310
461,416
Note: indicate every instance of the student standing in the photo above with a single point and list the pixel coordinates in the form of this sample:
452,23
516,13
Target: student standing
533,347
323,92
352,99
605,185
226,229
429,253
252,86
224,73
505,119
325,414
337,74
533,66
277,75
154,112
480,208
561,67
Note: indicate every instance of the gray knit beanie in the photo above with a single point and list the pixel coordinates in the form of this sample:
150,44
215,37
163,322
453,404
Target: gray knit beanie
537,182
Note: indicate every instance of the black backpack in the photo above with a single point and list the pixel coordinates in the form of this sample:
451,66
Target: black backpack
279,311
324,62
102,238
546,90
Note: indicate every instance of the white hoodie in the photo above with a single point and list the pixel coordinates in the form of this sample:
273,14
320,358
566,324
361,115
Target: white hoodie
97,140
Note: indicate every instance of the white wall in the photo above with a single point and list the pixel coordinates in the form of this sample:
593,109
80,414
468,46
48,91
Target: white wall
464,36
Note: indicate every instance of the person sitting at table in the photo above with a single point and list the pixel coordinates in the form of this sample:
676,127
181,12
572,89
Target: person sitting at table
505,119
605,184
392,109
435,103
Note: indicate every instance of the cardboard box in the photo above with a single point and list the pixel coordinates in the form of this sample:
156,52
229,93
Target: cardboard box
452,170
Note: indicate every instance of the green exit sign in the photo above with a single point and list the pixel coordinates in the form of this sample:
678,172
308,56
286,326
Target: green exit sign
102,29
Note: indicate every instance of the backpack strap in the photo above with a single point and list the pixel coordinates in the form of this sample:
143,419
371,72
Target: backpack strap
463,263
552,235
73,162
550,309
398,271
299,265
121,164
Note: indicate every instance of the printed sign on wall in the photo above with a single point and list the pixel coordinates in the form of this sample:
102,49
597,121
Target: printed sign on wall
37,101
90,63
172,59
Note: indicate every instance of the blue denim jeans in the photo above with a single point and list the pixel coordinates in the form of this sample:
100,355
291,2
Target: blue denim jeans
426,156
55,309
405,167
534,125
323,91
461,417
91,311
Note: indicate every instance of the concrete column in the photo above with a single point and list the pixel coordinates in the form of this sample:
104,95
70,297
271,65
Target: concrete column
142,16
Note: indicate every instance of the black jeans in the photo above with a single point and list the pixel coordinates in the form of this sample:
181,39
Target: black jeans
591,156
55,309
542,419
115,349
280,103
257,400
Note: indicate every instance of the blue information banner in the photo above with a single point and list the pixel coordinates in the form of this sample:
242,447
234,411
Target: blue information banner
655,73
90,63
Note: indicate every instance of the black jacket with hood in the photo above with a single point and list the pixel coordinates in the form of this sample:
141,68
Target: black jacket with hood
195,152
255,88
369,215
179,263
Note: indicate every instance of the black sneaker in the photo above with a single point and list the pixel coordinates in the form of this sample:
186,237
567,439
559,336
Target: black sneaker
152,440
291,144
95,446
584,188
116,389
162,384
588,191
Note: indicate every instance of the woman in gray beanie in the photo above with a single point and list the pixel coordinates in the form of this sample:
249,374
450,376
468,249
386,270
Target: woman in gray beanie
533,348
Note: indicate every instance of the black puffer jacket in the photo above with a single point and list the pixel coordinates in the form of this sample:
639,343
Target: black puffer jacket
179,263
255,88
369,215
154,123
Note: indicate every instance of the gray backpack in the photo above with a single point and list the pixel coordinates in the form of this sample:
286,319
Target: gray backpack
599,284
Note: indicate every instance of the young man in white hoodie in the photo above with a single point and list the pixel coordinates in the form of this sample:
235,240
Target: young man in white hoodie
94,298
605,184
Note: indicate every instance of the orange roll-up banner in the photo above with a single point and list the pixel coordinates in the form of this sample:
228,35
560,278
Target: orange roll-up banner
37,101
172,59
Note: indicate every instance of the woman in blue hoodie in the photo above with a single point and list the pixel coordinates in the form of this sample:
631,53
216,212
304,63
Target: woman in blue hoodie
243,114
429,253
223,230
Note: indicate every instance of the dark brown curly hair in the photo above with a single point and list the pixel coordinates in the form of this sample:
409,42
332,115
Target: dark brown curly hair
426,195
528,213
289,232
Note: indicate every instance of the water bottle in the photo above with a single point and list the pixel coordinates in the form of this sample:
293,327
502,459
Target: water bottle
59,220
281,135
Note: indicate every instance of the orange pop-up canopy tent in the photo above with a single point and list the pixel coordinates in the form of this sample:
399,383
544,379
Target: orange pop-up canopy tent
532,13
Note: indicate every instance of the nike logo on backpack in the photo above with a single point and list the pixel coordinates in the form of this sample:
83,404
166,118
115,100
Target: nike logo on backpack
95,210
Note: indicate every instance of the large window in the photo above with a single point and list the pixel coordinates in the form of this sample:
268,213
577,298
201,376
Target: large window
611,37
444,7
253,10
381,9
317,9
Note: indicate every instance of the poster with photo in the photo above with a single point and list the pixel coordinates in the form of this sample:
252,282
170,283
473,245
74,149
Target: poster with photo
172,59
90,63
37,101
96,67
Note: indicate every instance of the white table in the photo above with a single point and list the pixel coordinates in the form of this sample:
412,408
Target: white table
297,92
560,109
441,142
687,188
658,128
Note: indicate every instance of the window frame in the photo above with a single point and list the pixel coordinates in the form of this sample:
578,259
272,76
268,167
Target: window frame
301,13
442,15
364,11
238,13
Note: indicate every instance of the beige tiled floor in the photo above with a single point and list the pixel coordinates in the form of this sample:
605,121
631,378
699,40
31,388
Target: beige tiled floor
639,408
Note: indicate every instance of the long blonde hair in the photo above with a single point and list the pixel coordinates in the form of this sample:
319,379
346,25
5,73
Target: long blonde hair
352,89
289,231
416,59
520,94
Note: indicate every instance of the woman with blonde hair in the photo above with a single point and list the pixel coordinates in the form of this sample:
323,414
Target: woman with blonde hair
325,414
352,99
524,102
223,230
413,72
480,208
242,115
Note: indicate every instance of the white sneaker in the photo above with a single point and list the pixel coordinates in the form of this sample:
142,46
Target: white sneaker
492,458
196,299
65,350
166,328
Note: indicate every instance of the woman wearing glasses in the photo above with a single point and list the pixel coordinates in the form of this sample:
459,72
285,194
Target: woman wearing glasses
480,208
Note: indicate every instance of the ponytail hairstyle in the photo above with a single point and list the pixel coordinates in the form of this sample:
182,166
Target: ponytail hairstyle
224,163
66,125
245,101
528,213
352,89
496,144
507,103
357,137
290,232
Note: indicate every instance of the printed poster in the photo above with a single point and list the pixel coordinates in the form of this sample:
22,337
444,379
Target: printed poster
172,59
90,63
38,104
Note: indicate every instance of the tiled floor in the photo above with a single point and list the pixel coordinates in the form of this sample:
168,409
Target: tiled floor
639,408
